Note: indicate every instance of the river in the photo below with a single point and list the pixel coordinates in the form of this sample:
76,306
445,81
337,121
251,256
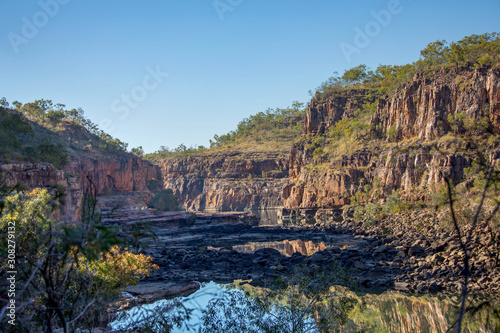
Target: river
233,305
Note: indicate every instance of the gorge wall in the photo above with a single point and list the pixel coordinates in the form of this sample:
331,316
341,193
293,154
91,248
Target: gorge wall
227,181
108,175
46,176
420,153
113,174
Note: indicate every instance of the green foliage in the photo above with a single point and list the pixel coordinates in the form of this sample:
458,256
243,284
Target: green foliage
138,151
299,302
49,115
165,200
154,185
66,273
51,153
391,134
440,197
318,153
271,119
474,50
55,116
4,103
13,131
165,152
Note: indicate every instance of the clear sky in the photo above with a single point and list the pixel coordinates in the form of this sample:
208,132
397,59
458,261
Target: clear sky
165,72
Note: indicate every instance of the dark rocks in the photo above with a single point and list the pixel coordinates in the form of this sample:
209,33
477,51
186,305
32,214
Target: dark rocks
415,250
268,252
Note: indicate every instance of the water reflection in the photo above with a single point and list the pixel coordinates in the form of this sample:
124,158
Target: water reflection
269,217
387,312
392,311
286,247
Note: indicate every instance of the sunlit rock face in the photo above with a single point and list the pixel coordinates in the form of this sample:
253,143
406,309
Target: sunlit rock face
415,114
46,176
97,176
114,174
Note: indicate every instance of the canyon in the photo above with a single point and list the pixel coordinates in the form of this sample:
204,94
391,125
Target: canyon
416,160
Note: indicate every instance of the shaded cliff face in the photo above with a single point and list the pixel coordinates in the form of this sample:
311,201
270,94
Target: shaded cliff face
419,157
227,181
46,176
114,175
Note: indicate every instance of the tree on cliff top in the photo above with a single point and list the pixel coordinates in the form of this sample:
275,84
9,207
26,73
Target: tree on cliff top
470,51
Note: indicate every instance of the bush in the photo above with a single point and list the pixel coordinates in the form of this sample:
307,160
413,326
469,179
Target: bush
165,200
66,273
153,185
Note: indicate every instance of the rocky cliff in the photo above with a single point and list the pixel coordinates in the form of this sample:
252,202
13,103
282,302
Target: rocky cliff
410,147
114,174
420,108
227,181
108,175
46,176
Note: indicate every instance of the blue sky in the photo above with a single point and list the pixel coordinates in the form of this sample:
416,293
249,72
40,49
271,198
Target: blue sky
213,62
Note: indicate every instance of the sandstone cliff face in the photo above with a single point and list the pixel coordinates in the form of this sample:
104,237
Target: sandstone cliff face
114,175
230,181
45,176
108,175
421,107
320,116
417,111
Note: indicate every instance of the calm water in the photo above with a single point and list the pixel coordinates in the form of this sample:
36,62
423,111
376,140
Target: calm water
389,311
386,312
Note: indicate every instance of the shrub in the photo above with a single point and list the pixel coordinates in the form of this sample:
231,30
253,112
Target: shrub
165,200
66,273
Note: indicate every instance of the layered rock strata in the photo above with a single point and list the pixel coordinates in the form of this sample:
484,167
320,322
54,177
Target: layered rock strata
231,181
416,161
113,175
46,176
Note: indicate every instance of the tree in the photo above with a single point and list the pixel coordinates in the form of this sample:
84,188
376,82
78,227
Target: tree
137,151
17,105
4,103
37,109
66,273
165,200
55,116
434,54
355,75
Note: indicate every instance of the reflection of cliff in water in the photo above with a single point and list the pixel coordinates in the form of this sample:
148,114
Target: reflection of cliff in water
286,247
268,216
396,312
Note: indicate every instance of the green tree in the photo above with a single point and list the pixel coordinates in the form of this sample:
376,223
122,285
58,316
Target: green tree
55,116
355,75
435,53
165,200
137,151
4,103
66,273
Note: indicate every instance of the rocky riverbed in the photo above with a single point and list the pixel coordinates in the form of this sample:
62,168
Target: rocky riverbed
408,258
